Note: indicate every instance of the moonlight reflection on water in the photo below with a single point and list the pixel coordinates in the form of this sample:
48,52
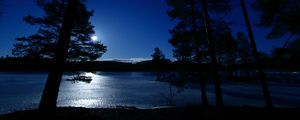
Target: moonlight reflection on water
111,89
23,90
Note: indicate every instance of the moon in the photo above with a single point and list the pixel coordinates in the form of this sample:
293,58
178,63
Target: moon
94,38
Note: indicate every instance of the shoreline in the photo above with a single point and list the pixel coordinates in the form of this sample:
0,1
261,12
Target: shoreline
164,113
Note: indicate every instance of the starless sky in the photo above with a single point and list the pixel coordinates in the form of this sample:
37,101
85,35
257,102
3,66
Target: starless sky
129,28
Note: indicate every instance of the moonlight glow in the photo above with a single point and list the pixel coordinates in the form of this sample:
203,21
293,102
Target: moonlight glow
94,38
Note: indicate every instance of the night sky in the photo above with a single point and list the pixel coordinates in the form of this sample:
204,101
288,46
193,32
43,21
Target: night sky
131,29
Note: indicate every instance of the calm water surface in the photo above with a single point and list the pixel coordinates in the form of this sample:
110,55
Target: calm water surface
19,90
22,90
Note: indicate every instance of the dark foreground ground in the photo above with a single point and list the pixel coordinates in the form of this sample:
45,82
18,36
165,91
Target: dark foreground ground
184,113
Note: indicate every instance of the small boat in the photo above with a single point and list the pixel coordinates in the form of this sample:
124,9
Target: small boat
81,78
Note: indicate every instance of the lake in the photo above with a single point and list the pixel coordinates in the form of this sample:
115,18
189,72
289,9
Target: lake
23,90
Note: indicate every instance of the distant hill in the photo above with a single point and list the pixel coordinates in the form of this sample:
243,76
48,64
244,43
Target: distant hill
29,64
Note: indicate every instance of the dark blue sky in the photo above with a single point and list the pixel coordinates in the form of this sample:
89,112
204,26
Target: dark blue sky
130,28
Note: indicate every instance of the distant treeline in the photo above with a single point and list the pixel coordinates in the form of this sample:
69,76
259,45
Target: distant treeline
30,64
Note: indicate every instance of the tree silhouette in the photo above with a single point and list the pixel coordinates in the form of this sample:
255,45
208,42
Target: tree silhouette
185,35
244,52
285,58
42,44
50,93
262,76
189,35
216,6
212,52
281,16
157,55
182,40
157,58
226,51
64,34
198,53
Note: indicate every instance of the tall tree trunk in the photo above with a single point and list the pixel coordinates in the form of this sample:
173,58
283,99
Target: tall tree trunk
212,52
198,58
261,73
50,93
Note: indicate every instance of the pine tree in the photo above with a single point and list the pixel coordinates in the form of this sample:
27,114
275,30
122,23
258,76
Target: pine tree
64,34
261,74
189,35
42,44
244,55
157,59
281,16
